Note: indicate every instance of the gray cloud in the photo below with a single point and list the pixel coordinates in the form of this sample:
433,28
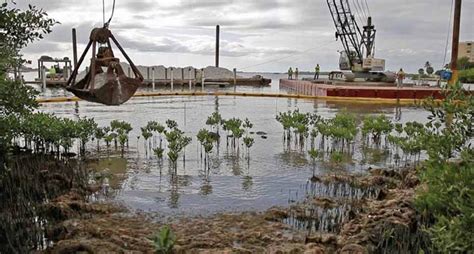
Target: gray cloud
409,32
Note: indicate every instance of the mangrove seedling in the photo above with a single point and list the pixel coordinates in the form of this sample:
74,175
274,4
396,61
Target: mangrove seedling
172,124
214,120
164,241
158,152
376,126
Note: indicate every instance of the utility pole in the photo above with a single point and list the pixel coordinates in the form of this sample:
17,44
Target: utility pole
455,46
217,44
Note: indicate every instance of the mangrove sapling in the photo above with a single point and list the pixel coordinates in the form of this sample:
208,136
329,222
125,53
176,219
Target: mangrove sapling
336,158
342,129
248,141
206,139
159,152
214,120
146,134
376,127
298,123
85,128
99,134
177,141
285,120
164,241
172,124
234,126
314,154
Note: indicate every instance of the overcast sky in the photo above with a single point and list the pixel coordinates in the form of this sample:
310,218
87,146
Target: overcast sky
256,35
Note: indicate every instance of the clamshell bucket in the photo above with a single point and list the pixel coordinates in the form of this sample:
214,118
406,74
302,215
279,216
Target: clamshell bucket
105,82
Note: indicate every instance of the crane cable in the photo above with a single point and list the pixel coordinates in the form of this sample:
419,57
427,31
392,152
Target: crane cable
363,16
106,24
449,33
361,11
368,9
357,13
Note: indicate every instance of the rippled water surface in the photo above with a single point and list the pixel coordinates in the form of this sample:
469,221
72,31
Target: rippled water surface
273,175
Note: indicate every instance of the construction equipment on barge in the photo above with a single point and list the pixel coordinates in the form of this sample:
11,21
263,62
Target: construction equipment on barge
357,59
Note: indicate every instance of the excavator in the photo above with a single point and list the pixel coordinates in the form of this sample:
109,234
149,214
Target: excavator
357,60
105,81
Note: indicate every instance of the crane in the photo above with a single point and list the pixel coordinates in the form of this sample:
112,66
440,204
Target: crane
359,46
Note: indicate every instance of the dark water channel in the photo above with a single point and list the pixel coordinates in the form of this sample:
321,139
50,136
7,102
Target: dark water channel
273,175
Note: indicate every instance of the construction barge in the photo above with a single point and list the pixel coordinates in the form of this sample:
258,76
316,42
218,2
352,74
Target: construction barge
359,89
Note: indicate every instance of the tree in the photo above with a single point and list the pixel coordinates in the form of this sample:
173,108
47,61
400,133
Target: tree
18,28
464,63
421,71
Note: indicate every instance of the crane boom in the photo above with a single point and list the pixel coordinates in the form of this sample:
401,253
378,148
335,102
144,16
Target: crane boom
358,44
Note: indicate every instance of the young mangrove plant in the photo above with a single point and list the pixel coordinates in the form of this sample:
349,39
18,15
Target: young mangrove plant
248,140
85,128
342,130
233,127
99,134
375,127
214,120
164,241
177,141
206,139
158,151
297,123
119,131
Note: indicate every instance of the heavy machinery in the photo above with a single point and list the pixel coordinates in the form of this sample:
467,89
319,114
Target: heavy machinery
357,59
105,82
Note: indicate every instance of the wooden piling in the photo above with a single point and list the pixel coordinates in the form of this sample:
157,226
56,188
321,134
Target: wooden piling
190,78
235,79
153,78
43,77
172,78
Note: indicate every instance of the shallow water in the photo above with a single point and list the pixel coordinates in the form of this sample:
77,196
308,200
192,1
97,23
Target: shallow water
273,175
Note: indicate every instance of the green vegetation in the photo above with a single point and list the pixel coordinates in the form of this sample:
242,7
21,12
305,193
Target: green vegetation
164,241
466,76
446,197
17,101
376,127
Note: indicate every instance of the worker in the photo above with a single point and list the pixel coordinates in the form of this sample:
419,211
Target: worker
400,77
52,72
290,73
296,73
316,71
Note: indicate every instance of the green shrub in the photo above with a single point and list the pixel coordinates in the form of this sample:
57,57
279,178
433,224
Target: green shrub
467,76
449,199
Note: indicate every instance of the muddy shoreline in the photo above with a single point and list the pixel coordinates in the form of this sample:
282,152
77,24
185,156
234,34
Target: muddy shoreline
351,214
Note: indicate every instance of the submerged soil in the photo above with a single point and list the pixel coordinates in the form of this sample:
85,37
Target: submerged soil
341,213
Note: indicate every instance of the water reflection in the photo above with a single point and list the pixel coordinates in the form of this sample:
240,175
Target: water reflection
142,181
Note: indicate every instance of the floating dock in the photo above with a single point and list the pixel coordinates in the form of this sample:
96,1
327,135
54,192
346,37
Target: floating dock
322,88
179,82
